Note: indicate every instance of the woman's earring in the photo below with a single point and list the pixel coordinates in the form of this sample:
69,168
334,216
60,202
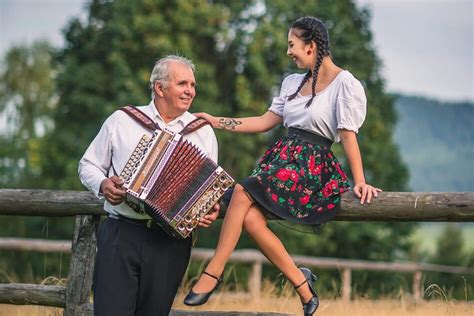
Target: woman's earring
308,52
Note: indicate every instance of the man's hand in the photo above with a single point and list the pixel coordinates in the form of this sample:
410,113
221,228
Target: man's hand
112,190
207,220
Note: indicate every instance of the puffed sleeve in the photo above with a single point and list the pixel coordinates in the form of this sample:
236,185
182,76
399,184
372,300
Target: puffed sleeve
278,102
351,106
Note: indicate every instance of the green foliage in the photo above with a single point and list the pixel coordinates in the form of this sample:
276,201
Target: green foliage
240,59
32,267
27,98
239,48
450,247
451,251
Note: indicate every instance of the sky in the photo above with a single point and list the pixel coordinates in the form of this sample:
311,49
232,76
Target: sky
426,46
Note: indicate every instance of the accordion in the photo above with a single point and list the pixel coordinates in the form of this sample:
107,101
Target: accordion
173,181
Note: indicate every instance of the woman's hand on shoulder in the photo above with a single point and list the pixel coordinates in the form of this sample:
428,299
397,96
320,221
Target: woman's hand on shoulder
253,124
365,192
208,117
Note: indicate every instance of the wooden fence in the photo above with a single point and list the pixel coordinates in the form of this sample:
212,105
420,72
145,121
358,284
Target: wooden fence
389,206
256,259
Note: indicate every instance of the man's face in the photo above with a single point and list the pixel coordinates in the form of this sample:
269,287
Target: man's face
180,90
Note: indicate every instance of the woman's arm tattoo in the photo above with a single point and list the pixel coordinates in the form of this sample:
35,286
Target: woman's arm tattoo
228,123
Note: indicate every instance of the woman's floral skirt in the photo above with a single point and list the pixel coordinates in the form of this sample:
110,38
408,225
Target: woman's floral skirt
298,181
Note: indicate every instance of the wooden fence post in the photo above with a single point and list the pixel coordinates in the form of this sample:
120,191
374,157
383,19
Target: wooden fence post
81,269
417,290
255,280
346,284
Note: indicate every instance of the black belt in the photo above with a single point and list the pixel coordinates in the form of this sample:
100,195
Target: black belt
148,223
309,137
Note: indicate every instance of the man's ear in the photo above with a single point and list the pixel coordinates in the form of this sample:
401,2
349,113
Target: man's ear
158,87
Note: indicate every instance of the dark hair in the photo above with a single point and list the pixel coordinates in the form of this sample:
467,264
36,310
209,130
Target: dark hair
312,29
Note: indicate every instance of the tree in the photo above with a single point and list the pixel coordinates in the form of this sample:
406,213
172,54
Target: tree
27,97
451,251
239,50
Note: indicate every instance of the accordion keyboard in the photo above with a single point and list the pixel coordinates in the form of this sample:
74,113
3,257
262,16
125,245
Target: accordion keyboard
173,181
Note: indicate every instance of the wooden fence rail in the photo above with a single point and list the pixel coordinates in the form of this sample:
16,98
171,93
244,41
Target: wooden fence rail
389,206
255,257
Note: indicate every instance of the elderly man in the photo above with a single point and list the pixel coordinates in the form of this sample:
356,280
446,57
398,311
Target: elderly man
138,268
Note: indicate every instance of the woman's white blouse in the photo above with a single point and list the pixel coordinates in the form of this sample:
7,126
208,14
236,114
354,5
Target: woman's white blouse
341,105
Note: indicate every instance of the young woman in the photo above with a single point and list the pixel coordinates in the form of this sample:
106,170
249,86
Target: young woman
298,178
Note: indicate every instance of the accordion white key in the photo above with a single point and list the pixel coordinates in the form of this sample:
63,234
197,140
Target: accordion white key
173,181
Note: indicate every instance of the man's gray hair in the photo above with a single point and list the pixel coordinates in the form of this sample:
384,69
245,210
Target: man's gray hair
161,72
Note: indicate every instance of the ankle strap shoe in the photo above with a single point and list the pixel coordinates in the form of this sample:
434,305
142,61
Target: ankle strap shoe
195,299
310,307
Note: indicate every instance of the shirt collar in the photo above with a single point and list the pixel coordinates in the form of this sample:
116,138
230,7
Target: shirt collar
183,119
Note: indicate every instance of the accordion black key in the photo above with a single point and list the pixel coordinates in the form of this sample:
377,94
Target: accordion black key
173,181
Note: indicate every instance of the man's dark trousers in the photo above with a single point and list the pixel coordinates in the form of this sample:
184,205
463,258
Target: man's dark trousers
138,270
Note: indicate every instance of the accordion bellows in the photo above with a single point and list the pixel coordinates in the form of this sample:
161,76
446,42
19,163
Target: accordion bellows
173,181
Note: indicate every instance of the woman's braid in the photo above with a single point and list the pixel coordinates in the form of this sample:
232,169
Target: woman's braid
306,78
312,29
319,61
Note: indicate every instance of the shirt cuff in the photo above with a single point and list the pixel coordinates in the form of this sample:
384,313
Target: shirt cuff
95,188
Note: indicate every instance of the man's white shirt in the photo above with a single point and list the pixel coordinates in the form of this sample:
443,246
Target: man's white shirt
116,140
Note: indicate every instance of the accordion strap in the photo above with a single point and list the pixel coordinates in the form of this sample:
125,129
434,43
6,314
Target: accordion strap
140,117
148,123
194,125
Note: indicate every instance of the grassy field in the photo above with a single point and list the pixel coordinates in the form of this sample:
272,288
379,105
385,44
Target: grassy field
291,305
331,307
287,302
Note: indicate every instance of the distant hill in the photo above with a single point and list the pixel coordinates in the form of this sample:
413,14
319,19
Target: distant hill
436,142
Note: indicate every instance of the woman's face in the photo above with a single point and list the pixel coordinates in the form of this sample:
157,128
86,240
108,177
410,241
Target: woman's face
301,53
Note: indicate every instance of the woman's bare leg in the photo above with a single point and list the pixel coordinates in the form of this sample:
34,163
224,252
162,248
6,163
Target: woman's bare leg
255,224
242,214
231,229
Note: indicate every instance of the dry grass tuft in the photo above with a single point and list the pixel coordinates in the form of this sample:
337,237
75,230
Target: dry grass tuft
28,310
242,302
287,302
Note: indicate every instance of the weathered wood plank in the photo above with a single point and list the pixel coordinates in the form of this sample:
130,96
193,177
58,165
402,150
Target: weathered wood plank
55,296
88,309
346,284
81,269
389,206
48,203
218,313
39,245
253,256
33,294
410,206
